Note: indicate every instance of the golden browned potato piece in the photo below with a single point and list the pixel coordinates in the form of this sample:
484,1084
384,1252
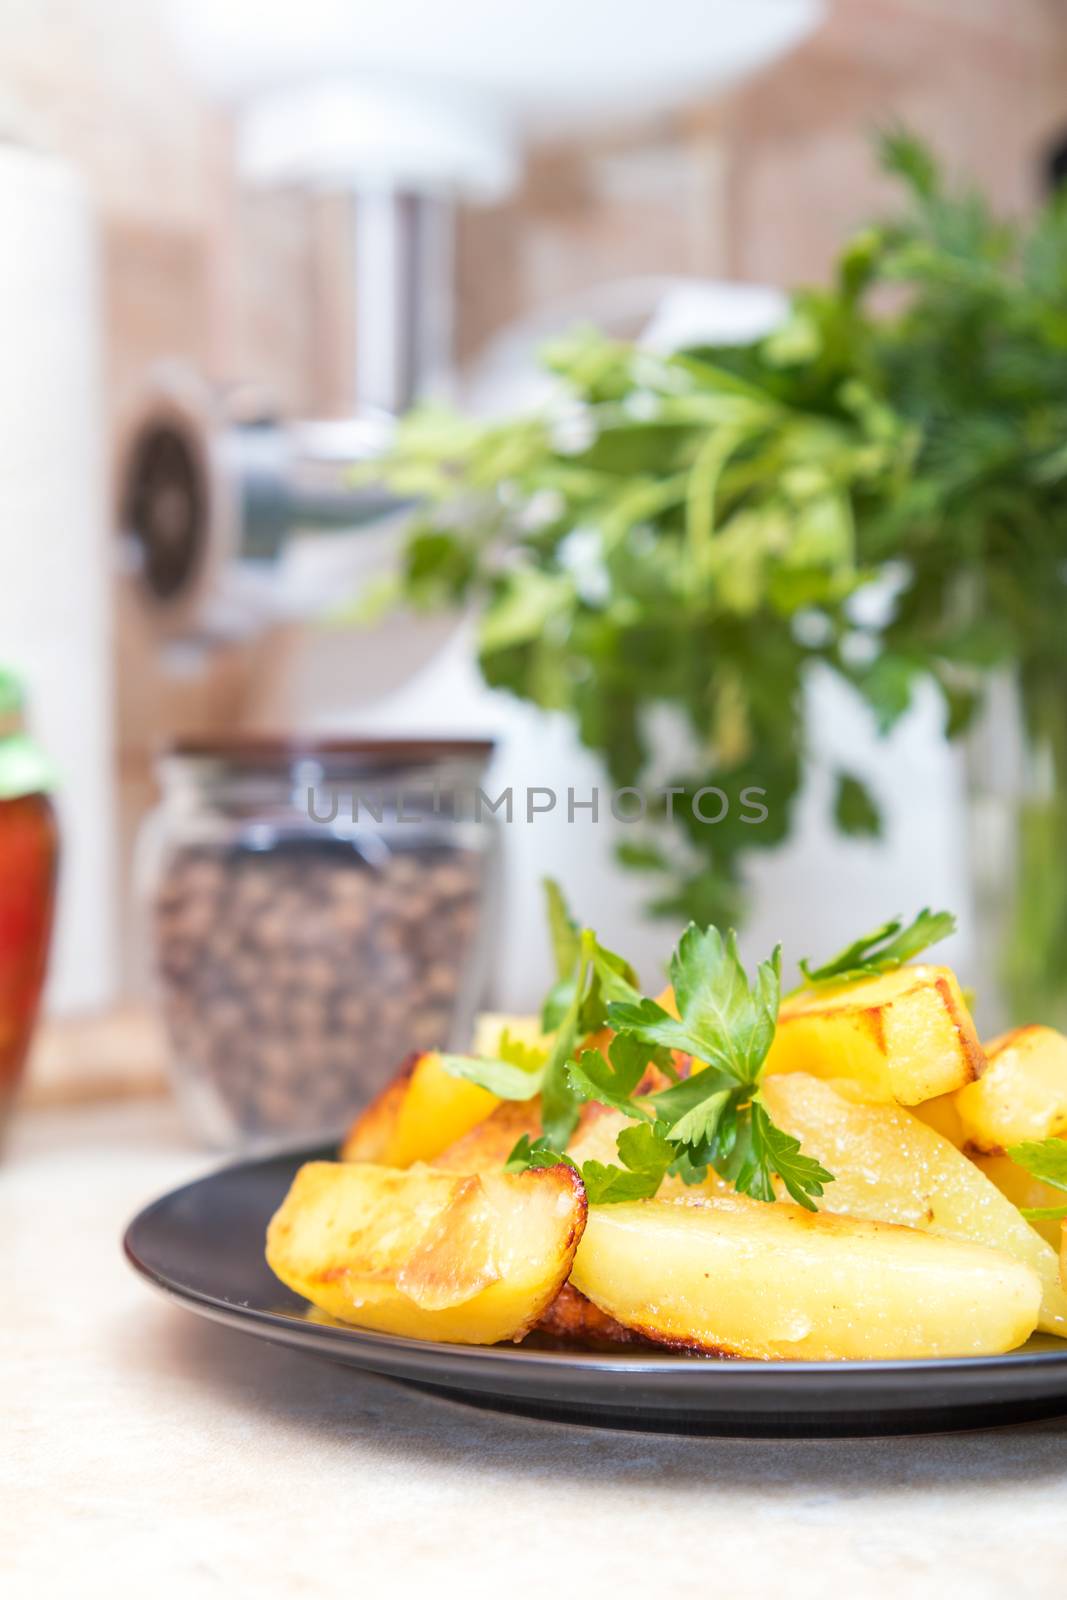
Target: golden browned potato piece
940,1114
570,1317
1063,1252
774,1282
370,1135
422,1112
1022,1094
890,1167
906,1035
428,1255
1023,1190
485,1147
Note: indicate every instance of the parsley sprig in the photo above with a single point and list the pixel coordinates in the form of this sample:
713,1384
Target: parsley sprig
713,1118
1045,1159
884,950
577,1006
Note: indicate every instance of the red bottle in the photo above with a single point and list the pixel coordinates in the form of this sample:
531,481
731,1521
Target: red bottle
28,860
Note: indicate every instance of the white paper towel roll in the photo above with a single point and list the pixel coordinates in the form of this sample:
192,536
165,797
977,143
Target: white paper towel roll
54,574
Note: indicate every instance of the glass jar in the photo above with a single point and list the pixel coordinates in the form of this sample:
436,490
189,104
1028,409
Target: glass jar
1017,833
29,850
318,911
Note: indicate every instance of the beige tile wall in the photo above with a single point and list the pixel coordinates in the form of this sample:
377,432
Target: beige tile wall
764,184
761,185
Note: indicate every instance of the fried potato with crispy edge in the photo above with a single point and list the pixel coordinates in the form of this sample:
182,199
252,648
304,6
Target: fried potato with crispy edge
889,1166
730,1275
419,1114
570,1317
906,1035
428,1255
1021,1095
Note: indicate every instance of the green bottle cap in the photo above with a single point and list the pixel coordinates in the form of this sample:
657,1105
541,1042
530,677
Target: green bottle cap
24,767
11,699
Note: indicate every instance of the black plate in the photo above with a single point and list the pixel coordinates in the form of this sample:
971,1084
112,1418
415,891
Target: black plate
203,1245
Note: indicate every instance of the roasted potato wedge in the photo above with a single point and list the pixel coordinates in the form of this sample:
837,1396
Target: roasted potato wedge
889,1166
772,1282
422,1112
428,1255
371,1133
571,1316
1022,1094
905,1036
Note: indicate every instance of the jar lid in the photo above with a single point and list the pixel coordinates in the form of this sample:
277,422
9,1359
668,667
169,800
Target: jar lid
221,761
255,750
24,767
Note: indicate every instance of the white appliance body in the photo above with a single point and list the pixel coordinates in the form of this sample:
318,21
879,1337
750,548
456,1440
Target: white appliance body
55,571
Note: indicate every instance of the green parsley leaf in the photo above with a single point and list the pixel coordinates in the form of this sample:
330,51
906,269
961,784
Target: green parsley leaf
559,1103
502,1078
727,1128
855,809
565,937
699,1126
685,1166
529,1154
562,929
711,1118
771,1151
1045,1159
556,1004
722,1019
673,1103
613,976
645,1157
611,1080
884,950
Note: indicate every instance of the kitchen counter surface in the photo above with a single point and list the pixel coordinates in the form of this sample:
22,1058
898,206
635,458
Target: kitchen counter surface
144,1447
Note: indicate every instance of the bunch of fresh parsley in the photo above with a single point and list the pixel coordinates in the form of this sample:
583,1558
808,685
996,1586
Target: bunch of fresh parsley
688,532
713,1118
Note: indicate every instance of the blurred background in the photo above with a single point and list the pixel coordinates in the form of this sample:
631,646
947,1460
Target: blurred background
239,238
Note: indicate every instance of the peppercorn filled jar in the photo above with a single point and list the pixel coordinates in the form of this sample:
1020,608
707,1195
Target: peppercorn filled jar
28,857
318,911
